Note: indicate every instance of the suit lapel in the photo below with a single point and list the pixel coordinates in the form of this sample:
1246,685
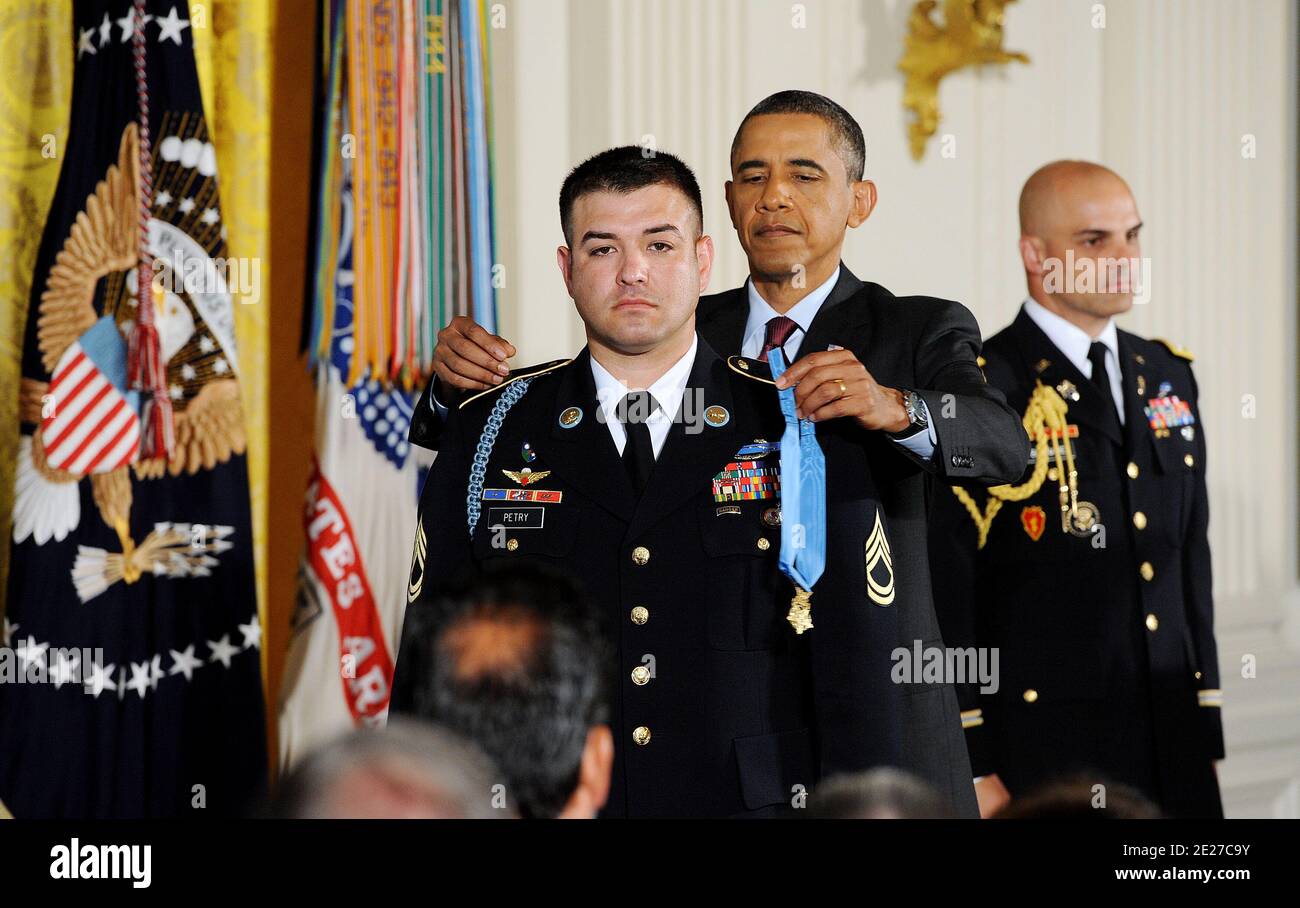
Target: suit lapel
831,318
585,455
1135,380
1053,368
723,325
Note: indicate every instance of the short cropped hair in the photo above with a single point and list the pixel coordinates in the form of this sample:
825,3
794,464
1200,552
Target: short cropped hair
627,168
845,131
517,662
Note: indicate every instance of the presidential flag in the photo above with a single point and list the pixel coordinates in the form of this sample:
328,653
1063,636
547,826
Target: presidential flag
135,688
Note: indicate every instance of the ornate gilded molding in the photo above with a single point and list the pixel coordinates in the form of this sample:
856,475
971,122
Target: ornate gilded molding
970,36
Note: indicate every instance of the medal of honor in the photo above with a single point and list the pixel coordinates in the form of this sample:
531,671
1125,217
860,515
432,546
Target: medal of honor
800,614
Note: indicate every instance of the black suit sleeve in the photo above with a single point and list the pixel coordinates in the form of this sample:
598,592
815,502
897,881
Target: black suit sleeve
1199,597
980,439
427,423
442,554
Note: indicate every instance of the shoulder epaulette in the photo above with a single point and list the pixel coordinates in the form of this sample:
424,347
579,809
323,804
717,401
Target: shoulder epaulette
751,368
1180,352
517,374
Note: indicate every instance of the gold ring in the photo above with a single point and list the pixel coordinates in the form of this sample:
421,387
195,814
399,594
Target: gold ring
843,388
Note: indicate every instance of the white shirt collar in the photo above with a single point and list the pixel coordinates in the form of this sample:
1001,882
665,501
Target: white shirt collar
1075,343
802,313
667,390
1072,340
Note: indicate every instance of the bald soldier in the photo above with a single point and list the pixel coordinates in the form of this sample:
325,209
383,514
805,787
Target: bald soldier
1091,575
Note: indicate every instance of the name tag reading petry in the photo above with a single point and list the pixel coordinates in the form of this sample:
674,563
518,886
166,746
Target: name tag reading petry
527,518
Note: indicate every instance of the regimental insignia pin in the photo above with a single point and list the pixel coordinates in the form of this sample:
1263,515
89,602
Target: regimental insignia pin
526,476
570,417
1067,390
1042,365
1165,389
717,416
527,453
1034,520
741,364
772,517
1189,432
1142,385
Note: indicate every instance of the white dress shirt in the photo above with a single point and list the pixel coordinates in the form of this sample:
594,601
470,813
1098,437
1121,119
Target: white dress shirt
667,391
802,313
1075,343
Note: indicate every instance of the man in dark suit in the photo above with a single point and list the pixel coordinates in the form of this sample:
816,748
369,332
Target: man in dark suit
899,374
624,467
1091,576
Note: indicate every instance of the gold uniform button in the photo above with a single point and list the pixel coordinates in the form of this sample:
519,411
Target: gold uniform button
1132,470
1152,623
1146,570
1198,676
763,544
512,544
1139,520
1052,475
641,735
640,615
640,675
1189,460
640,555
1030,695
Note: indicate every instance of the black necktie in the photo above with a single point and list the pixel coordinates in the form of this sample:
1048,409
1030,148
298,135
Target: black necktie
638,452
1100,377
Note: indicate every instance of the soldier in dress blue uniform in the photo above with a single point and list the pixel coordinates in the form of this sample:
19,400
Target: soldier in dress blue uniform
896,373
648,466
1091,575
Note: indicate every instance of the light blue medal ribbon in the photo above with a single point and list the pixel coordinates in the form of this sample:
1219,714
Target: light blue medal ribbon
803,503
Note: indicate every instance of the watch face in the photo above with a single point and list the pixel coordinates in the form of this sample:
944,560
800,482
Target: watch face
914,409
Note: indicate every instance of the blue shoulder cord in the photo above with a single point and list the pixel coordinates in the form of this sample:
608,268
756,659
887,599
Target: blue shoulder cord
478,469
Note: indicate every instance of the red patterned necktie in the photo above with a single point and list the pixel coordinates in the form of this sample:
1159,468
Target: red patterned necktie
779,330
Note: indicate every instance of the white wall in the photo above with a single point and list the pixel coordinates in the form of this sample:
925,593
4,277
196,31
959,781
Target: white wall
1164,93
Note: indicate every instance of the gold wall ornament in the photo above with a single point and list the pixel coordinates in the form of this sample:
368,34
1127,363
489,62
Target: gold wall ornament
970,36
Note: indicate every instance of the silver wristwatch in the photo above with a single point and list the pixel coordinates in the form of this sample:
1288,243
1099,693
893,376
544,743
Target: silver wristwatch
915,415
